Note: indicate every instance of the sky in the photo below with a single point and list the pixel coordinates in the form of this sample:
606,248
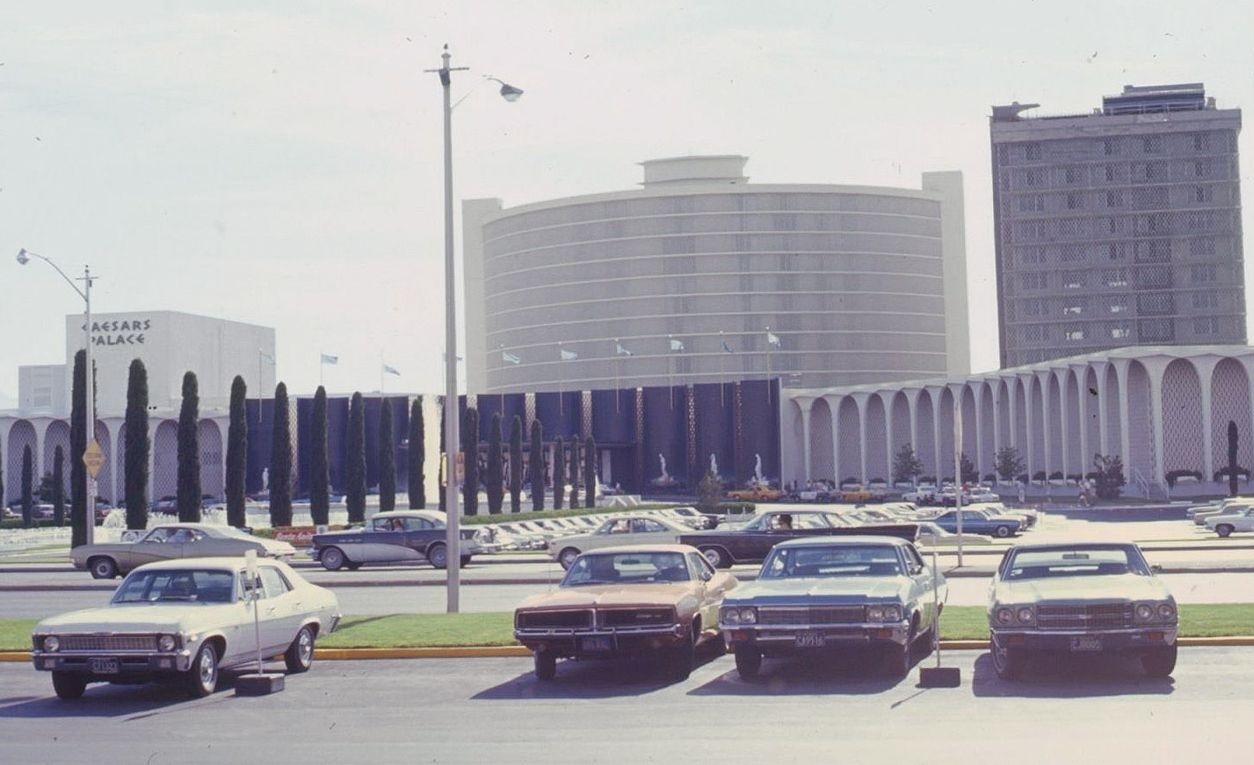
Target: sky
280,163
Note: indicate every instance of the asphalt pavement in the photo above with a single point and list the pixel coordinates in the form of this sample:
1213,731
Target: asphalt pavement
493,710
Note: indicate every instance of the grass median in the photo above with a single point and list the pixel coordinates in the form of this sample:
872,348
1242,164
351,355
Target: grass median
496,629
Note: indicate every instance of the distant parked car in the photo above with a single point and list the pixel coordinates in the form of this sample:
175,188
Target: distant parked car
979,522
1080,598
616,531
186,620
173,541
396,536
1235,518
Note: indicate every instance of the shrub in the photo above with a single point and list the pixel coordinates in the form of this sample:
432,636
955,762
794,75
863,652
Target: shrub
990,477
848,481
1175,475
1038,475
1056,475
1222,473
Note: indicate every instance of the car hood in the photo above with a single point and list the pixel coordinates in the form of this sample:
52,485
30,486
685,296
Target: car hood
1115,588
610,595
825,589
138,617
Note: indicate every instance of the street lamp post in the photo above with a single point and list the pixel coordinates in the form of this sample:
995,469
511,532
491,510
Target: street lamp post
89,394
451,425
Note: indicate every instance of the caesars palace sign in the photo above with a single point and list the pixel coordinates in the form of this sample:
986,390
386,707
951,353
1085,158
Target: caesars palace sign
119,332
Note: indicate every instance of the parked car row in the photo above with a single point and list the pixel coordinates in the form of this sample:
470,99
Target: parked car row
859,592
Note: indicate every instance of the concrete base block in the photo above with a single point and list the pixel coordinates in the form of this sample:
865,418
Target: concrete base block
262,684
940,677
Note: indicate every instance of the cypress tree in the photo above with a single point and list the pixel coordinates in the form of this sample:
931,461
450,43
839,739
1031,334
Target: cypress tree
319,462
589,472
387,458
444,455
281,461
515,465
189,494
573,475
1232,459
355,490
28,497
470,457
78,444
415,478
494,477
237,454
135,455
58,486
535,468
559,473
2,497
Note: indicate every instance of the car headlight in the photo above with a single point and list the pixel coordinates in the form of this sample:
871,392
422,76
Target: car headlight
883,614
1026,615
1166,612
52,644
1005,616
166,643
730,616
748,616
1144,612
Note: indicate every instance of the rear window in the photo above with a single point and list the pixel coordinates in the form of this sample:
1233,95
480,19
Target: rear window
1063,562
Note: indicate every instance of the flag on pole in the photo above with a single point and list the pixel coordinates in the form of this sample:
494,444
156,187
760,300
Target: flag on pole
568,355
727,348
620,350
329,359
772,338
509,357
677,345
387,370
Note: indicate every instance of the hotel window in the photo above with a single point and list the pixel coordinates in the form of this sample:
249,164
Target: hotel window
1075,201
1201,142
1074,175
1074,334
1110,173
1205,325
1206,299
1202,246
1119,305
1115,277
1073,280
1120,333
1073,308
1032,151
1114,199
1152,144
1034,280
1110,146
1202,273
1201,169
1203,194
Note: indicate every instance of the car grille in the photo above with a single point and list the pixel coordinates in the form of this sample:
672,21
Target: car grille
555,620
635,617
1064,617
109,643
769,616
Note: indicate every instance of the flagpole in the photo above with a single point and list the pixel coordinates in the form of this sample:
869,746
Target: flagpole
722,368
769,348
321,366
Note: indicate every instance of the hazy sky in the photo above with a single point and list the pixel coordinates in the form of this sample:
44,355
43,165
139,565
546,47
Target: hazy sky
279,162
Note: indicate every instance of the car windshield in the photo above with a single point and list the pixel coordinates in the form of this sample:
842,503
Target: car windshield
626,568
177,586
1074,561
832,560
787,521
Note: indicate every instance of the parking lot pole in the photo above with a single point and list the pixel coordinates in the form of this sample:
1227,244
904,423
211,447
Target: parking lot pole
958,470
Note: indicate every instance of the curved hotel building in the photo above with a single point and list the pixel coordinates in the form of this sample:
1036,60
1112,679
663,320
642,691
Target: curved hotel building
702,277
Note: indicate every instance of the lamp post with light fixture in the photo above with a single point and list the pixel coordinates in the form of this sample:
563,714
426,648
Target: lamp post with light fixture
89,405
451,425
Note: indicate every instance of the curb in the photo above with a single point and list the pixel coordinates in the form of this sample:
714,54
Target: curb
518,651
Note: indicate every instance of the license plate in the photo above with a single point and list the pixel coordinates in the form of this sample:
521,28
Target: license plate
810,640
104,666
1086,644
595,644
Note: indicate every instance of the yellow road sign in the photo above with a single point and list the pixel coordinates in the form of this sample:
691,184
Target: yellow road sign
93,458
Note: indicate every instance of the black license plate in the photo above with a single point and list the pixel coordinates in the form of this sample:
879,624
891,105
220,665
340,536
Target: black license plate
104,666
1086,644
810,640
595,644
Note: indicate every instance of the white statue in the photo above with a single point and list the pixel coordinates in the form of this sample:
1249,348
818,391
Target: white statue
713,464
662,460
265,478
757,467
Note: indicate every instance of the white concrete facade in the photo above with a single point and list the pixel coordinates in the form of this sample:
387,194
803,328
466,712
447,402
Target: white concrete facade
677,283
1161,409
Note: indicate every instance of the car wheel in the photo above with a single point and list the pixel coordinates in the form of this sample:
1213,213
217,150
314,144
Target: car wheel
465,561
69,685
333,559
896,660
748,662
567,557
683,657
299,655
1002,531
717,557
546,666
1223,529
1160,662
1008,662
201,678
102,568
437,555
351,566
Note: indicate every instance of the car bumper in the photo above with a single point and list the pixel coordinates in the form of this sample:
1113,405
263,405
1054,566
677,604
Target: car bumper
1087,641
800,638
101,665
601,643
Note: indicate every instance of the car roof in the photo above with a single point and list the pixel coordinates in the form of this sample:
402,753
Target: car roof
843,541
1063,545
430,515
671,548
233,563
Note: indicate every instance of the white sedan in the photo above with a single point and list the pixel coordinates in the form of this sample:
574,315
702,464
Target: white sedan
619,530
1238,518
186,620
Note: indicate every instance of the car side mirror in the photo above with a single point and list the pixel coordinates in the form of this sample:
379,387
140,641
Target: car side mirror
1157,568
706,575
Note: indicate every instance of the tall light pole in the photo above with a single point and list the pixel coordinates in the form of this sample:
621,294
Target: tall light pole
452,427
89,404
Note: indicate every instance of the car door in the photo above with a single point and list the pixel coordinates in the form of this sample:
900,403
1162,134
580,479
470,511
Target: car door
281,610
418,534
921,583
162,543
713,588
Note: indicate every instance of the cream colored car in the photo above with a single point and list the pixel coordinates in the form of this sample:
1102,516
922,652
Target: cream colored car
619,530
